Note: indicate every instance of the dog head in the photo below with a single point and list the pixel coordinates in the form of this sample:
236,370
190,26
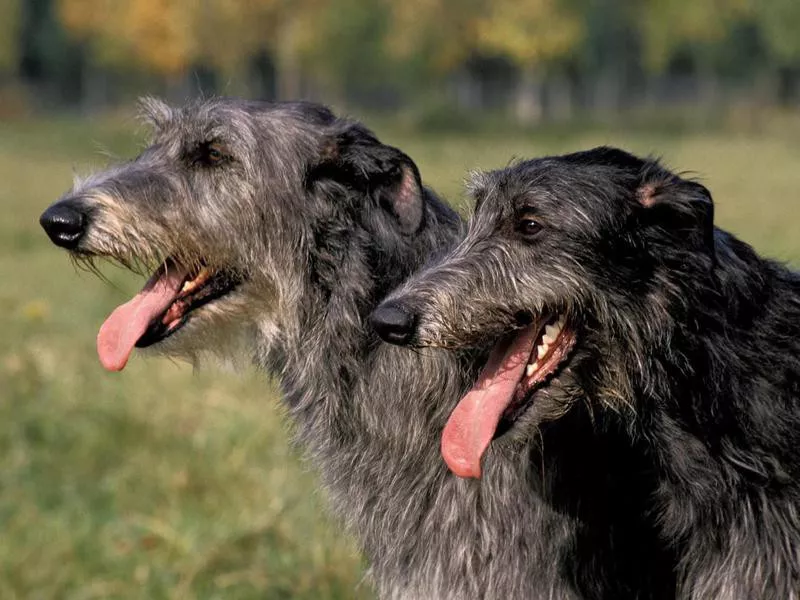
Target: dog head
236,206
572,267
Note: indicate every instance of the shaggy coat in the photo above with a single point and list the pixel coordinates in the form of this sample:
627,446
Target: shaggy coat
679,327
302,222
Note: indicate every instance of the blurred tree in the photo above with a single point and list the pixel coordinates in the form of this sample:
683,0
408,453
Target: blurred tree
10,21
534,34
230,34
50,64
350,58
777,76
780,22
608,62
132,35
442,32
435,42
608,55
667,25
169,37
698,29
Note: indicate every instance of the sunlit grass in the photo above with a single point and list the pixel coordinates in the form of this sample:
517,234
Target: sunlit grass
163,483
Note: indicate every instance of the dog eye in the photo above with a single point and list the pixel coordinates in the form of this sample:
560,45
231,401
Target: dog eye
528,226
210,154
214,154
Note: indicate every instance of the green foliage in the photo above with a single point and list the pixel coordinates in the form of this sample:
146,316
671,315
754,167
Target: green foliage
392,52
668,26
442,31
10,11
532,34
780,22
350,53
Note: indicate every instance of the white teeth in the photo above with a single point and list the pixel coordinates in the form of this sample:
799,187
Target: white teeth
551,331
199,279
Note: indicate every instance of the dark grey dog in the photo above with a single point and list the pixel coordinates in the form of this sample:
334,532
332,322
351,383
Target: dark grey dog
274,229
609,287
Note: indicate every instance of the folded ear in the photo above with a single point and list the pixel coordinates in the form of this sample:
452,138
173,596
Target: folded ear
354,158
405,198
682,207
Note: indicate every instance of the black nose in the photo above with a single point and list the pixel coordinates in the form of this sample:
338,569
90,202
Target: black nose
64,223
393,323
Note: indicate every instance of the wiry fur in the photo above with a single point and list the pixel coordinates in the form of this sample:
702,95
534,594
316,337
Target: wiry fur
683,330
321,220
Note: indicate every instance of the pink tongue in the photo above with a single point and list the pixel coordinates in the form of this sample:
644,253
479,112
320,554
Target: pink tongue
122,329
472,424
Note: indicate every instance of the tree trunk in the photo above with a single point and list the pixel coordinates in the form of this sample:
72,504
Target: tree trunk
287,65
559,98
709,86
94,88
767,87
467,90
179,87
528,106
608,92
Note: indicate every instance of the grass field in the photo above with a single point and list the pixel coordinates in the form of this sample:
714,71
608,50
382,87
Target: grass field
163,483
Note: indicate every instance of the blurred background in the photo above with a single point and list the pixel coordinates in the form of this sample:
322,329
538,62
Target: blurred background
441,60
160,482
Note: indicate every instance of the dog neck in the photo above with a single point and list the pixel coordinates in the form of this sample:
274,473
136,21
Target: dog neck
720,416
739,338
370,417
337,376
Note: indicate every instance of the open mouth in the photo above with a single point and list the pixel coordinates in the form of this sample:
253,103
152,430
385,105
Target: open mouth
197,290
163,307
521,364
551,348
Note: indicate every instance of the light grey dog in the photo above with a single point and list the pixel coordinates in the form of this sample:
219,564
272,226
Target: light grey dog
273,231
